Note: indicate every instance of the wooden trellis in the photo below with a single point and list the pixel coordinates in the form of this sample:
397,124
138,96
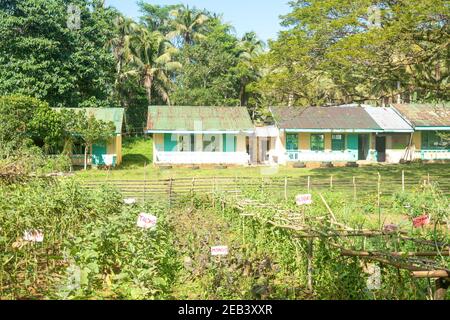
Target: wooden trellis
419,264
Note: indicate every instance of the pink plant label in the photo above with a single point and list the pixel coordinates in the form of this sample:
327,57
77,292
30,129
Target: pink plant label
421,221
304,199
219,251
146,221
33,236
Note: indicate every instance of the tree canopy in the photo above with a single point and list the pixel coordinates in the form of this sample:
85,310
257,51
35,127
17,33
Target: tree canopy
331,52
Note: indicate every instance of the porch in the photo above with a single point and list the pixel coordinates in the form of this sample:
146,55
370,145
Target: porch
322,156
198,158
431,155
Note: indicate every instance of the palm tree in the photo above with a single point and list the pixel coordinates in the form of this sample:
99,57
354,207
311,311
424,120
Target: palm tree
188,24
152,59
249,48
120,46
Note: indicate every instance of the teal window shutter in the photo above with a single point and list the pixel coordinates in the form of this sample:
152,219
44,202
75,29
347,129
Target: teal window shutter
98,150
338,142
317,142
292,142
170,145
352,142
229,143
224,143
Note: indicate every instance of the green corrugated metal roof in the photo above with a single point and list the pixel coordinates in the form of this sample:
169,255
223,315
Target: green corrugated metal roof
198,119
425,115
324,118
115,115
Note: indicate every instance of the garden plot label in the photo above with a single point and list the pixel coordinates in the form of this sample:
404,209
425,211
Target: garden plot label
374,280
129,201
219,251
33,236
147,221
303,199
421,221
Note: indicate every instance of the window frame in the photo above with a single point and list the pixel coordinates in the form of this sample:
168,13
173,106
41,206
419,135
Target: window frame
312,147
341,141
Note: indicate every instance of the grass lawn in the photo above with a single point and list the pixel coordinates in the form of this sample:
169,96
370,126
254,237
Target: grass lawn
138,151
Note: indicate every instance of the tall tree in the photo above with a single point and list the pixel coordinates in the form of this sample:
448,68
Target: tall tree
210,77
250,47
343,51
156,17
152,60
188,24
42,57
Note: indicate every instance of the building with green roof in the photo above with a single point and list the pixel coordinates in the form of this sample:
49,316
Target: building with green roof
185,135
103,153
430,122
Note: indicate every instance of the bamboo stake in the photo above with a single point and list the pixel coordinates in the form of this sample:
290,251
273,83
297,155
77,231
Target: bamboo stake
352,253
310,264
309,184
262,186
403,180
328,208
379,199
431,274
170,192
354,188
145,178
285,189
331,182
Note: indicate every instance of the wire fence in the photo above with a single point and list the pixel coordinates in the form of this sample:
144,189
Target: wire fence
174,189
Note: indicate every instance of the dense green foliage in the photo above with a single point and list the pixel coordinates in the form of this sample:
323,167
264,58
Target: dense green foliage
356,51
92,247
331,52
26,120
41,57
28,123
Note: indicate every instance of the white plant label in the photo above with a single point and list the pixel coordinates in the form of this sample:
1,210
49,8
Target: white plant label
303,199
147,221
33,236
129,201
374,281
219,251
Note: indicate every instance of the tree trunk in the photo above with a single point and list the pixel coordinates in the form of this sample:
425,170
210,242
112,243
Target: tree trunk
242,94
85,156
148,82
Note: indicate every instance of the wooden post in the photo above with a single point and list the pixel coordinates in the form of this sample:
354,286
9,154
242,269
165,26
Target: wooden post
354,188
309,184
285,189
441,289
429,179
193,191
170,192
262,186
403,180
379,199
214,193
145,178
243,231
236,187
